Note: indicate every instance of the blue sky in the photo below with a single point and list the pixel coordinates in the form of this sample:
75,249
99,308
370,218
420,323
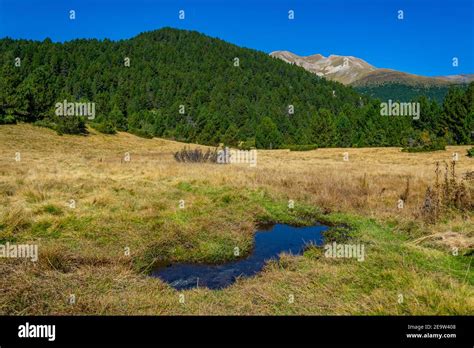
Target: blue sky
424,42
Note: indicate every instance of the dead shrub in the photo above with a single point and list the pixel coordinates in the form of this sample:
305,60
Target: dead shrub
451,193
187,155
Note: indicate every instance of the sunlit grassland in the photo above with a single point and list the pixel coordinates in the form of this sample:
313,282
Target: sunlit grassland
134,206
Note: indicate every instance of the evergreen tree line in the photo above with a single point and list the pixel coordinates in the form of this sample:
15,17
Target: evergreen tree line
189,87
406,92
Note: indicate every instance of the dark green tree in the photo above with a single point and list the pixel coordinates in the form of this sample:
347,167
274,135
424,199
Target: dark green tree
267,135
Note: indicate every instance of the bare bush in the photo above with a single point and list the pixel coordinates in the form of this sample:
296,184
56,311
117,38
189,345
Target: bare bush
451,193
187,155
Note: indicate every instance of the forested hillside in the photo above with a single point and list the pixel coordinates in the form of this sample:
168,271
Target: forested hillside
186,86
406,92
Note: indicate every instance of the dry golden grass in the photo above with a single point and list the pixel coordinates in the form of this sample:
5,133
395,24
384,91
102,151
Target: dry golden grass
135,204
370,182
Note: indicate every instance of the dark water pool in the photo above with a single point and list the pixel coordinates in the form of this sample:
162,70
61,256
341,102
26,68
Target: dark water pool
269,243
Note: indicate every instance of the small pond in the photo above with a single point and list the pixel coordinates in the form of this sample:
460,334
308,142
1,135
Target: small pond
269,243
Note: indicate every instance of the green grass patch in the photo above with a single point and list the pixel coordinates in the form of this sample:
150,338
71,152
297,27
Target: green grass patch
470,152
52,209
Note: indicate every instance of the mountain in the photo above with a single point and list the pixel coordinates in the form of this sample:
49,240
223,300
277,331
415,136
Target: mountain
187,86
357,72
344,69
386,76
178,84
462,78
388,84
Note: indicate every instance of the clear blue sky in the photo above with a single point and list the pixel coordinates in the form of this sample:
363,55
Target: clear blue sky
432,33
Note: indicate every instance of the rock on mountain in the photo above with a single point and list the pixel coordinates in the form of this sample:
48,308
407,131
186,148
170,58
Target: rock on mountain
344,69
357,72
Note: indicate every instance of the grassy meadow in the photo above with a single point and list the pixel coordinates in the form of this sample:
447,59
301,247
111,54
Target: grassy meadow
127,218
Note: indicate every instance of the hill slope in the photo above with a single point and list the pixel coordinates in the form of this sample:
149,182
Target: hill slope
404,92
384,76
186,86
219,85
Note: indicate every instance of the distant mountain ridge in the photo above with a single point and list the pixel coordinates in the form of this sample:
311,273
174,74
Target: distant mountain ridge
338,68
354,71
461,78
